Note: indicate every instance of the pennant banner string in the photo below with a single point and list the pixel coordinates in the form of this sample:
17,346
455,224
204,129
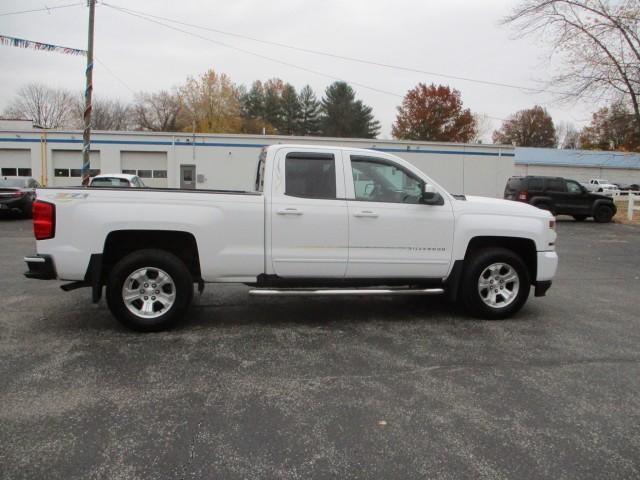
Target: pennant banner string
22,43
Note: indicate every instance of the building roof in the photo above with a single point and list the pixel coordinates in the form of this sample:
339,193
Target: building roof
576,158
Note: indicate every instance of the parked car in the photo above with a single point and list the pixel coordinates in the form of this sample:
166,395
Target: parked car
322,221
17,194
628,187
117,180
599,185
561,196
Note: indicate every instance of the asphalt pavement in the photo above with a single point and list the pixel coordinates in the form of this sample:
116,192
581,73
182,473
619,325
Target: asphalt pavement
328,388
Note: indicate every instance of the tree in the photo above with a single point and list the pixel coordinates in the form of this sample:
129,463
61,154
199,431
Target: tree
158,112
433,112
527,128
212,102
567,136
611,128
598,41
273,111
291,111
47,107
483,127
309,112
106,114
344,116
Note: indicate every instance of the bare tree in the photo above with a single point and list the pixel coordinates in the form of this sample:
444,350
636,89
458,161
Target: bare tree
567,136
158,112
106,114
484,127
599,41
47,107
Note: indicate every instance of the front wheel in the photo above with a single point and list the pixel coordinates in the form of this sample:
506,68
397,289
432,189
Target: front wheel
495,283
149,290
603,214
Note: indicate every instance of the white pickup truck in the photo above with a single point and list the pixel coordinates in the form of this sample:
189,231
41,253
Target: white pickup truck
321,221
598,185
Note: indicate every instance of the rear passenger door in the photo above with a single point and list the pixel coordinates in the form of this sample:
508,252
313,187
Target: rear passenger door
557,190
308,214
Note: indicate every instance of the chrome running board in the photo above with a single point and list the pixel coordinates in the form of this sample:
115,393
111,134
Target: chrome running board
294,292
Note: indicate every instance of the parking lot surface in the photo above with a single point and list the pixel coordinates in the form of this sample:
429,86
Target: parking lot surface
328,388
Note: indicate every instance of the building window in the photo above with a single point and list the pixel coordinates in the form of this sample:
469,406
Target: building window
76,172
61,172
129,172
8,172
24,172
94,171
159,174
145,173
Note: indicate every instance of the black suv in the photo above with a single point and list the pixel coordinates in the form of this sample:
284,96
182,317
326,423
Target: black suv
561,197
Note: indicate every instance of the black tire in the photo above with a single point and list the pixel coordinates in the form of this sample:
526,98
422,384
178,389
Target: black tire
474,268
603,214
154,260
547,207
579,218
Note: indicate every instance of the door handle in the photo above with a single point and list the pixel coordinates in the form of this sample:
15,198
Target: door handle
289,211
366,213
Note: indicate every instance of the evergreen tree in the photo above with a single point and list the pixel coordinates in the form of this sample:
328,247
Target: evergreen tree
344,116
309,112
291,111
273,111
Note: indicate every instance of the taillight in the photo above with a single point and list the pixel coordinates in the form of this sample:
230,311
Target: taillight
523,196
44,220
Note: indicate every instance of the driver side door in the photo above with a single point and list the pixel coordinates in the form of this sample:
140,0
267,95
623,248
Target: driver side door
391,233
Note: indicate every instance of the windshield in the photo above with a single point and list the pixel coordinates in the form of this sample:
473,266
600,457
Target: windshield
13,182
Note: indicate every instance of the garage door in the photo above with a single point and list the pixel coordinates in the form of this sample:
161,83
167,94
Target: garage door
15,163
150,166
67,167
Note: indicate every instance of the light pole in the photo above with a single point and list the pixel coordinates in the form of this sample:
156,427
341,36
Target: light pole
86,135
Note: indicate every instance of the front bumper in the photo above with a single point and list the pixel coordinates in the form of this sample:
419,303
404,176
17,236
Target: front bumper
547,265
40,267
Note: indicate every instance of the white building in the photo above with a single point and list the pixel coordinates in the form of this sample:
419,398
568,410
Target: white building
229,161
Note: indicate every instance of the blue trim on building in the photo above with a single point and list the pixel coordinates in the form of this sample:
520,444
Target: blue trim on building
246,145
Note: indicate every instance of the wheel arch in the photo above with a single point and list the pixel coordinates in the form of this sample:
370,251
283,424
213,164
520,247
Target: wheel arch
120,243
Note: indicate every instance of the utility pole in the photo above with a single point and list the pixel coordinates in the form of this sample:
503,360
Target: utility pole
86,135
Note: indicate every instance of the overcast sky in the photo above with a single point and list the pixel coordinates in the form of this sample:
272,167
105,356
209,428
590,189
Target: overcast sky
454,37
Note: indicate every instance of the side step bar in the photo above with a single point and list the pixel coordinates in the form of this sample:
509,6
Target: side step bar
294,292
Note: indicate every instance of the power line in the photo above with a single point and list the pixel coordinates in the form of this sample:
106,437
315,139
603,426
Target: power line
345,57
110,72
249,52
45,9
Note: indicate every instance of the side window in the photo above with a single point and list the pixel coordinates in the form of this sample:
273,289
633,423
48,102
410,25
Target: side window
556,185
378,180
535,184
310,175
573,187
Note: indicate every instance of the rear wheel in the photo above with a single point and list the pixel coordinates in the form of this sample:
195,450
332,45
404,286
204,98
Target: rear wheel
603,214
149,290
579,218
495,283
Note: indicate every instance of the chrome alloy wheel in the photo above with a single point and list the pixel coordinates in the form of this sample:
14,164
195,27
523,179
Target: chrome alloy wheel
149,292
498,285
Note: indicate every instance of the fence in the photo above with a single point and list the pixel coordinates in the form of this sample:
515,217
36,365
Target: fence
632,199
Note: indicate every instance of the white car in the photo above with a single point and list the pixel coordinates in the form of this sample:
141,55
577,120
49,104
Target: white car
321,221
117,180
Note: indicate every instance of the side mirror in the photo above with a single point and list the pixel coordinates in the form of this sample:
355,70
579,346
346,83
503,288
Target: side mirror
430,196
